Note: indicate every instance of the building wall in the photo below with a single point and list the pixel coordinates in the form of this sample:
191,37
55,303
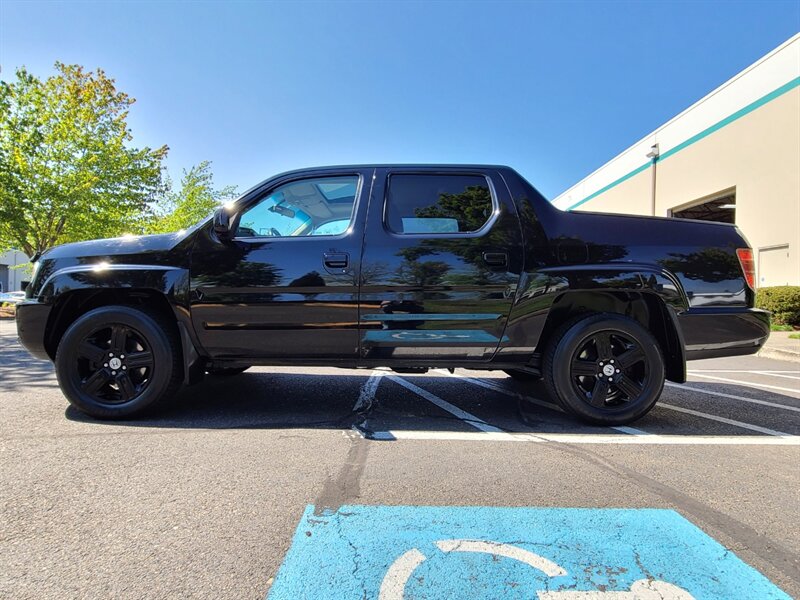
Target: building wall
754,150
11,278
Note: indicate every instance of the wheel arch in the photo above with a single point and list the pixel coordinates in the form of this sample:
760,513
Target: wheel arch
646,308
164,290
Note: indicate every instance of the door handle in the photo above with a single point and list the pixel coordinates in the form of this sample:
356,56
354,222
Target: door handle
336,260
495,259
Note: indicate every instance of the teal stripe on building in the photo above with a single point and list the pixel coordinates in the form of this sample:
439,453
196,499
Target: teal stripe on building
787,87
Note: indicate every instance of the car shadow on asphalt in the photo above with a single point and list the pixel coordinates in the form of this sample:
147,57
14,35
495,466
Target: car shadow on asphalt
280,400
264,400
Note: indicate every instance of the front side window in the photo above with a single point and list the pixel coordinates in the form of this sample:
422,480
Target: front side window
319,206
437,203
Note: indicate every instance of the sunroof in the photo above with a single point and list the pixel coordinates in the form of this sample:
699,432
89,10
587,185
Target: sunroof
338,190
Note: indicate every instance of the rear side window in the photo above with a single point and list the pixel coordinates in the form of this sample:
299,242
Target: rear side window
437,203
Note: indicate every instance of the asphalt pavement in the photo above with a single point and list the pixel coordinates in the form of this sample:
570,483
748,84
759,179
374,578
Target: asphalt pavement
206,498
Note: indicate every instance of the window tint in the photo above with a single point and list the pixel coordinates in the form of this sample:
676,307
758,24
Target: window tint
320,206
437,203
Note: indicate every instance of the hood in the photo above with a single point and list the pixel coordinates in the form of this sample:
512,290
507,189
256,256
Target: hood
129,244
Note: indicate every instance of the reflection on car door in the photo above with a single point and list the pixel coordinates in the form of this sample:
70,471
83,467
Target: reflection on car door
441,261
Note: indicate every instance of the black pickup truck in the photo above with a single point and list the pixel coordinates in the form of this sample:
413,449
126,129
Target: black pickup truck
408,267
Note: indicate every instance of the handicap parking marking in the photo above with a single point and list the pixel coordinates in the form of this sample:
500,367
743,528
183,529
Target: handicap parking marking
418,553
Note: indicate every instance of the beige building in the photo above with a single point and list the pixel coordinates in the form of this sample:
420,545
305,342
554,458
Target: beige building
11,275
733,156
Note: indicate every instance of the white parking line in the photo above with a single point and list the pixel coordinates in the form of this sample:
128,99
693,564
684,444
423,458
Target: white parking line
732,396
631,430
491,433
583,438
725,420
497,388
367,394
760,371
748,383
776,374
470,419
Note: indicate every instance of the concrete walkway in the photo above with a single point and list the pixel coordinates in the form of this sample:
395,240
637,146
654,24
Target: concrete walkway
779,346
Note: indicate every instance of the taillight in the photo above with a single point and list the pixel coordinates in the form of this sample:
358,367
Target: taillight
748,265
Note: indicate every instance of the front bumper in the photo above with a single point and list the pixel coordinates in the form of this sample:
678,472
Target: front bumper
718,331
32,319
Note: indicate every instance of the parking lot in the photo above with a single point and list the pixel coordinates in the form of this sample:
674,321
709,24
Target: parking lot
204,499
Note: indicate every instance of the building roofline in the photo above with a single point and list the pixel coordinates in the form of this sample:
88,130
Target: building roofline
680,115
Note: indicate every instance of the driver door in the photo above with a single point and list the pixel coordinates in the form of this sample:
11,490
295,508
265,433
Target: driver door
286,285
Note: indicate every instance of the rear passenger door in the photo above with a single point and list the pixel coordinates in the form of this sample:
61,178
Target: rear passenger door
441,261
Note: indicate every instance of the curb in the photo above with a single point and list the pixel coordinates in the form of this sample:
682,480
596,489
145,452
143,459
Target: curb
779,354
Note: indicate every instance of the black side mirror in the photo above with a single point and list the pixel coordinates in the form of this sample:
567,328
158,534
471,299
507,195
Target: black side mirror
222,224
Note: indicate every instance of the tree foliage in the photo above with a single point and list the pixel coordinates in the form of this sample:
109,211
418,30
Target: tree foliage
67,169
194,201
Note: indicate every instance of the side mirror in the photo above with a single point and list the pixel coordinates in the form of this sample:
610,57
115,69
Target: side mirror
222,224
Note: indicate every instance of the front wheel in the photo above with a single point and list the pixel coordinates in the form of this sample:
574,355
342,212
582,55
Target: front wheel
606,369
118,361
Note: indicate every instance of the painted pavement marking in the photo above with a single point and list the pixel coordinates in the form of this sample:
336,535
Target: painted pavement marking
778,374
581,438
367,394
732,396
783,373
422,553
490,433
725,420
549,405
468,418
748,383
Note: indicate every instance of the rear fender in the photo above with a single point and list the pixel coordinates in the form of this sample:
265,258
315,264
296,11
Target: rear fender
548,296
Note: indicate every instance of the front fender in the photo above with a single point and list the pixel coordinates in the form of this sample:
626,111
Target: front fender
172,282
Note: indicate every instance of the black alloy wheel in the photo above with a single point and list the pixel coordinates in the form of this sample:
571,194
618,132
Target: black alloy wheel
608,369
604,368
115,364
117,361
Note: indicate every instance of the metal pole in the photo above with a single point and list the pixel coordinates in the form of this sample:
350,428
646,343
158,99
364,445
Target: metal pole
653,191
653,155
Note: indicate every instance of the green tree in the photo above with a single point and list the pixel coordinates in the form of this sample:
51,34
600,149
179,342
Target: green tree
196,199
67,169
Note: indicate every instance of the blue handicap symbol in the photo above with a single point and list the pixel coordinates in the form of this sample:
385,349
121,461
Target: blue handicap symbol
416,553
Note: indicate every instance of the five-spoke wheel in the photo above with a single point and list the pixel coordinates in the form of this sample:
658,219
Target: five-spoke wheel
606,369
115,361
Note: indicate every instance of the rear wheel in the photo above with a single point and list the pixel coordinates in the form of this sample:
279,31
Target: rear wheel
605,369
118,361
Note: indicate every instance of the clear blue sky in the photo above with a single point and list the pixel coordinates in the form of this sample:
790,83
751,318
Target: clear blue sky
554,89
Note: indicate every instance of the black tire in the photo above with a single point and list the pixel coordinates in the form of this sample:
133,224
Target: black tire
522,375
606,369
226,371
118,361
